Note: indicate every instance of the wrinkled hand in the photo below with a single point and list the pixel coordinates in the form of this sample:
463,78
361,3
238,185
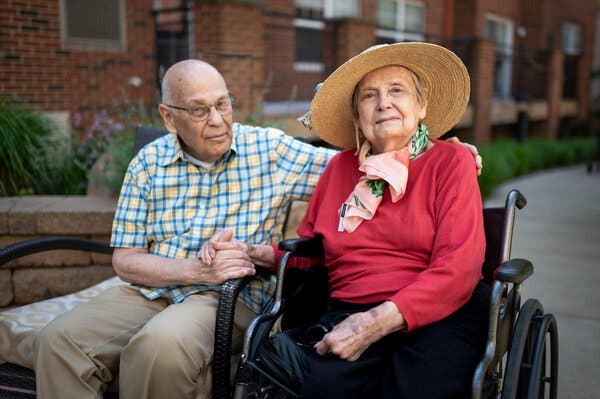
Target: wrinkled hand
209,248
226,265
217,265
350,338
260,254
473,150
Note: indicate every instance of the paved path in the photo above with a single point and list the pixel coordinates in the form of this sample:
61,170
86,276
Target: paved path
559,231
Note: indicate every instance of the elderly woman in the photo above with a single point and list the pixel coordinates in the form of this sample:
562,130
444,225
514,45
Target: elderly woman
400,217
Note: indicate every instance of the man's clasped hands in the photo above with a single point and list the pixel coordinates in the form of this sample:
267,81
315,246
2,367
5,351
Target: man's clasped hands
228,256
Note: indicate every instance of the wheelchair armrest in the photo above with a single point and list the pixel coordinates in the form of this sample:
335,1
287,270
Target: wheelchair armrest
310,246
514,271
28,247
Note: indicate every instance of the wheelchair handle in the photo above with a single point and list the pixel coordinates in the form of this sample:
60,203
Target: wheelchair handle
514,200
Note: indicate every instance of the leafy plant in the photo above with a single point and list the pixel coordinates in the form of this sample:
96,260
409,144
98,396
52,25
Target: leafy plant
504,159
115,147
114,161
28,149
34,160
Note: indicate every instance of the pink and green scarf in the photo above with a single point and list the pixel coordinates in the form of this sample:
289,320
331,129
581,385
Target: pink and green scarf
381,170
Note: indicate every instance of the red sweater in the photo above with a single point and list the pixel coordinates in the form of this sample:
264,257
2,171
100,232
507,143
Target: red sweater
424,252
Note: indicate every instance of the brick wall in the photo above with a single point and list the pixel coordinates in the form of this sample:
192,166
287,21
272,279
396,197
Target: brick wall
237,53
251,42
482,87
434,18
37,68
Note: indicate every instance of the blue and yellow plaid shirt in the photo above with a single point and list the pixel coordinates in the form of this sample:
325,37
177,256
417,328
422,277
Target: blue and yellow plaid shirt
170,205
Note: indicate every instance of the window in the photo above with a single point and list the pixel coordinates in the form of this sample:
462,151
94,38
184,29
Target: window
93,23
341,9
309,45
327,8
400,21
571,45
500,31
309,24
309,36
309,9
571,38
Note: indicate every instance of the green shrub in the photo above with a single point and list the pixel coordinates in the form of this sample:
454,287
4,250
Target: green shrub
33,160
109,141
30,152
117,151
116,159
505,159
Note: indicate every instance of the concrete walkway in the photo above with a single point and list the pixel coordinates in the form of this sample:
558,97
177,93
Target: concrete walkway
559,231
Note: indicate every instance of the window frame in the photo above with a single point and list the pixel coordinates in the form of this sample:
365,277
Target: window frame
399,34
327,9
502,88
308,23
92,43
573,43
309,66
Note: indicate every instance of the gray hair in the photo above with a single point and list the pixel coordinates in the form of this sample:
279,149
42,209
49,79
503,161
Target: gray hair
165,94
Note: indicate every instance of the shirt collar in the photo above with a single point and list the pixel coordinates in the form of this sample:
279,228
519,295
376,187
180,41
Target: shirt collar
173,152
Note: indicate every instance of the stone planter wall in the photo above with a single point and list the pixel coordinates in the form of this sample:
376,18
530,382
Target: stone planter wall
53,273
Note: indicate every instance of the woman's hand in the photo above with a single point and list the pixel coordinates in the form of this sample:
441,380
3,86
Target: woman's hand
350,338
473,150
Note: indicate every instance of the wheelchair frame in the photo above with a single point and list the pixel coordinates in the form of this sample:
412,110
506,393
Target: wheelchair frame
521,353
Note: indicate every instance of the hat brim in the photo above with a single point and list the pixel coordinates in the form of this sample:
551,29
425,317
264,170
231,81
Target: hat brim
445,77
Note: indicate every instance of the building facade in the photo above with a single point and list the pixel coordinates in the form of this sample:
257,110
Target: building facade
530,61
75,58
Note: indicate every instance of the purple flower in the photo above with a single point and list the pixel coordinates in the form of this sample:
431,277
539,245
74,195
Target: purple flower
76,119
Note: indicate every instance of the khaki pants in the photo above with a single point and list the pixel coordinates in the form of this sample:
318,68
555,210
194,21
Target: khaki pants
159,349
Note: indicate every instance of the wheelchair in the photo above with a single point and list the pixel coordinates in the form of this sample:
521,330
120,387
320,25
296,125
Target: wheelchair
521,353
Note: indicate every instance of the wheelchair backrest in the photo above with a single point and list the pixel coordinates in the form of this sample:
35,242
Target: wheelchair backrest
145,135
493,221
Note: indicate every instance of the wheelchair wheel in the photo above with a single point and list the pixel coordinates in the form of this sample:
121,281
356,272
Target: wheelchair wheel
526,365
253,384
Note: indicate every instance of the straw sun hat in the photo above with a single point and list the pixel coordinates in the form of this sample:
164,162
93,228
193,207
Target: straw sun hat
445,77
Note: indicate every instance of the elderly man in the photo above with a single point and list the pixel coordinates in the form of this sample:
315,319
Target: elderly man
209,174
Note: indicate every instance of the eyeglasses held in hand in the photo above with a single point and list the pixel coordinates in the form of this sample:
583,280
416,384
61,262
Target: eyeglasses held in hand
201,112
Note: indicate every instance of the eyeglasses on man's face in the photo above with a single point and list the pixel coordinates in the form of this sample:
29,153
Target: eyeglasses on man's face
201,112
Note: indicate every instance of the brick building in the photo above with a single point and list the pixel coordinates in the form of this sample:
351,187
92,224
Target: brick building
530,61
63,58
